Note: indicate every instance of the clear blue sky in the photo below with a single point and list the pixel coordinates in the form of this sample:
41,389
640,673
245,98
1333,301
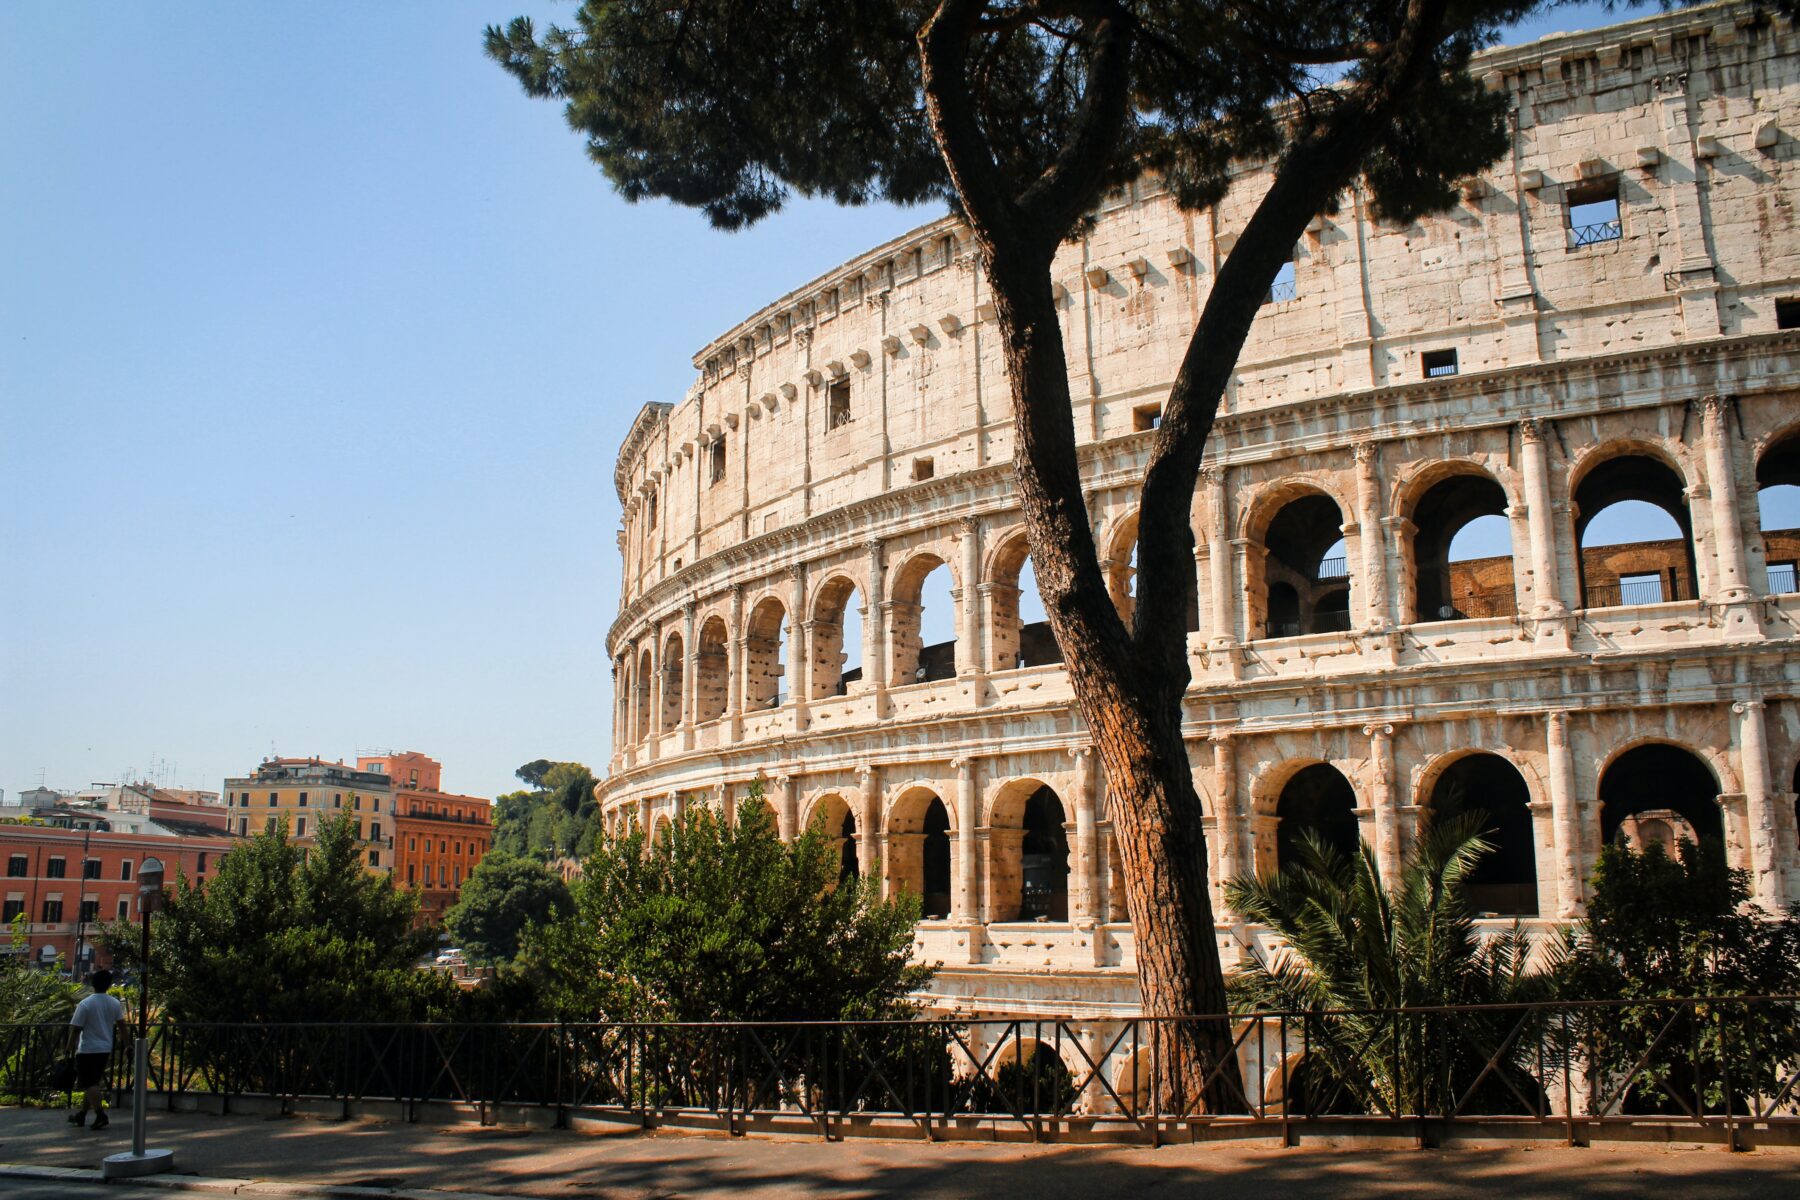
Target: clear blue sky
317,339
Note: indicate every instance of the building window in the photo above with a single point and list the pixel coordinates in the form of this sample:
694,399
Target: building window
269,827
412,873
374,858
715,461
1787,313
458,848
302,799
56,868
300,827
456,874
16,867
837,403
1438,363
412,845
337,800
52,912
125,871
124,910
356,803
1285,286
1593,212
90,911
375,831
244,826
90,869
13,911
1146,417
650,510
200,868
377,803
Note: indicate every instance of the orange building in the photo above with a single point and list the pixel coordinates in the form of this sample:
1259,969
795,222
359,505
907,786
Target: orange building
439,836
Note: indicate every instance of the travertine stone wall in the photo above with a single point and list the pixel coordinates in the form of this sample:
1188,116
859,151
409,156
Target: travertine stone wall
1609,370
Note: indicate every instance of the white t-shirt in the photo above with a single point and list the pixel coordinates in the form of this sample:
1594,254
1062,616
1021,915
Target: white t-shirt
95,1017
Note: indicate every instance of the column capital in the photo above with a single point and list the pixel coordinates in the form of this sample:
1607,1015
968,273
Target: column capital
1366,453
1531,429
865,772
1212,476
1716,404
1746,706
964,765
1379,729
1077,753
968,526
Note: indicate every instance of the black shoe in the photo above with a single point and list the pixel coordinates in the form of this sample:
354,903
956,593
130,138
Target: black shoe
78,1117
101,1121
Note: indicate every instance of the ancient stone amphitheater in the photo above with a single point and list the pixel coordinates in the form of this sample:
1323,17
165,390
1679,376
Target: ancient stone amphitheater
1479,527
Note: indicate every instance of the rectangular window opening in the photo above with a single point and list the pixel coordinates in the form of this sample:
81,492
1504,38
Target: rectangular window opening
1593,212
1438,363
923,469
837,403
715,462
1146,417
1787,313
1782,578
1285,285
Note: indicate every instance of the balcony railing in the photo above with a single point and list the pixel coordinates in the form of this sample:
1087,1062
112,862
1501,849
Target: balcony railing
1569,1070
1638,591
1335,567
1781,579
1588,235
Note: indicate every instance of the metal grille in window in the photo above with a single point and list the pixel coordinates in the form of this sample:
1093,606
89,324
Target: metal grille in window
1284,287
1594,212
1336,567
1597,231
1781,578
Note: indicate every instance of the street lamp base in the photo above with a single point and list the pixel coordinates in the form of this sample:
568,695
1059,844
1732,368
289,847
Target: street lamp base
130,1166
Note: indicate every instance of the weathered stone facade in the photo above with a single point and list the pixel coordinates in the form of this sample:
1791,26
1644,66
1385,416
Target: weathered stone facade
854,436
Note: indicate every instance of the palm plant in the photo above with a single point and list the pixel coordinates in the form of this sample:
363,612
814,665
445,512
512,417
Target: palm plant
1371,967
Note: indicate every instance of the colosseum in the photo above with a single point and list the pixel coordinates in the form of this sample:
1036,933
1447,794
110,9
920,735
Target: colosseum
1481,525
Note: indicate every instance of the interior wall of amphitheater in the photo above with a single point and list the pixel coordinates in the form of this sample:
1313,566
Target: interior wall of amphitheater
1511,359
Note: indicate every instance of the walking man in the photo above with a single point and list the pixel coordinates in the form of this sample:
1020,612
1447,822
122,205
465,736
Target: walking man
91,1040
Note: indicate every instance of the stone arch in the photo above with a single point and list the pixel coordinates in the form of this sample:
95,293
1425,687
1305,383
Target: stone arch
1299,579
1018,633
766,638
1661,776
1029,1070
674,661
1119,555
1778,510
1320,798
1646,570
640,705
912,661
712,670
661,829
1505,882
918,825
833,816
837,658
1456,501
1028,852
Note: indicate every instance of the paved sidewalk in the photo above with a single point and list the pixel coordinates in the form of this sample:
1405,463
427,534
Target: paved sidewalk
633,1166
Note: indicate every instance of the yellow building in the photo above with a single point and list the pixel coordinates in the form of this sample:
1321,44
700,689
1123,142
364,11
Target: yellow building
308,791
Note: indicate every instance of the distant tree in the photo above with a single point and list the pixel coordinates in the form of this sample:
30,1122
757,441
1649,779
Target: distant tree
1657,928
1022,115
277,935
504,894
532,773
715,922
556,818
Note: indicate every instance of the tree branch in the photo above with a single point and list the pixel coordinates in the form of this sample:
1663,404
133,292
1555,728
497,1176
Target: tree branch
1069,187
943,57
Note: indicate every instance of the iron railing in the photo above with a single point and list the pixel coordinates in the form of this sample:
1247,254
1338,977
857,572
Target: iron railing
1781,579
1569,1070
1594,233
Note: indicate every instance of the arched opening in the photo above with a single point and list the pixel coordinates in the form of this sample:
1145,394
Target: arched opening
832,817
641,701
1778,511
1306,570
1659,791
836,639
712,672
671,682
1318,799
1024,1076
1122,577
1636,538
1018,627
918,851
661,831
923,631
1462,551
765,656
1504,883
1028,854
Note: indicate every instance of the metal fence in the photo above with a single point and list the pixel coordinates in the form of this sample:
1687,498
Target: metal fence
1571,1071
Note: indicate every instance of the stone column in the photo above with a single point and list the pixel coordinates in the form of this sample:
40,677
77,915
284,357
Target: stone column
1085,903
644,815
1374,552
1383,801
734,667
1229,821
799,663
1565,808
875,651
1759,805
1243,621
1222,633
968,603
678,802
653,706
690,676
963,900
868,824
787,806
1729,571
1540,517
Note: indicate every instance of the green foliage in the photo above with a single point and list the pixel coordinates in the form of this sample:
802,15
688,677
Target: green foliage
1659,927
1355,945
557,817
278,935
714,922
29,996
504,895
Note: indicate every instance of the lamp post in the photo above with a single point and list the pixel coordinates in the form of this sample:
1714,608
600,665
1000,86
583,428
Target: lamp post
141,1161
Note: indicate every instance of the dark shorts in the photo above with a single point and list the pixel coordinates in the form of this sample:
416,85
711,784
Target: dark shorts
90,1068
